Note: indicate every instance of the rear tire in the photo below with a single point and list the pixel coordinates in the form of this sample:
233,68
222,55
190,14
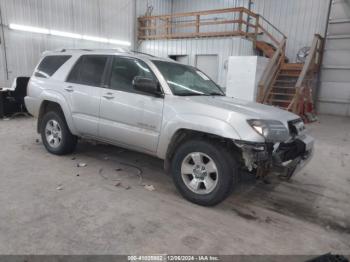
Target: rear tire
56,135
204,172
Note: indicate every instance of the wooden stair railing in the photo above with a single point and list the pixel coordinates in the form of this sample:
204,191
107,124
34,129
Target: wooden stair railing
264,24
271,72
242,22
288,85
303,88
167,26
265,48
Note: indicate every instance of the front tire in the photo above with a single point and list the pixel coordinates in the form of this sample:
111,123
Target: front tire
56,135
204,172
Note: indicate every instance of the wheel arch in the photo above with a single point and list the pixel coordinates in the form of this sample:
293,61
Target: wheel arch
55,102
226,168
183,134
195,123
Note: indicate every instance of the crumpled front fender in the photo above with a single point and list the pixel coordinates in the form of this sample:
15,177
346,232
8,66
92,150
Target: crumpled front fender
199,123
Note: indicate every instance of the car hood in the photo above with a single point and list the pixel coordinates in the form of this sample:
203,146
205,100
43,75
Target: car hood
249,110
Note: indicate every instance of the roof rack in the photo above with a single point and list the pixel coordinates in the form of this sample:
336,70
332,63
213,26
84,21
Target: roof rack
121,50
141,53
65,49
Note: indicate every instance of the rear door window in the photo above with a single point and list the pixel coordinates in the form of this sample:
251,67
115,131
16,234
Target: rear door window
49,65
88,70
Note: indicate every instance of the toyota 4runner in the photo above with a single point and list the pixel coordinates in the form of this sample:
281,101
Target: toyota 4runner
169,110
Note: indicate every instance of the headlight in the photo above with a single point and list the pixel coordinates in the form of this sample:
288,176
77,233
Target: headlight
271,130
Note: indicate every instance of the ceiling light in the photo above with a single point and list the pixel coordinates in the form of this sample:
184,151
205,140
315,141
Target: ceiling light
29,29
95,39
46,31
119,42
65,34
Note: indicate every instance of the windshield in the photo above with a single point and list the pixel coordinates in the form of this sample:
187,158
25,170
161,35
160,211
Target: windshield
186,80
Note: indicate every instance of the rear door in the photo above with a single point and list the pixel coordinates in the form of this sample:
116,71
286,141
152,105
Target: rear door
82,88
129,117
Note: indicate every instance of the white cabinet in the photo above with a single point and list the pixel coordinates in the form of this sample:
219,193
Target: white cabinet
243,76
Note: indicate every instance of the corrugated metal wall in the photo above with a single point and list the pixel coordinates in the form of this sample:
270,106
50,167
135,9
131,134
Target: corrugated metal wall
299,20
157,7
334,93
223,47
102,18
197,5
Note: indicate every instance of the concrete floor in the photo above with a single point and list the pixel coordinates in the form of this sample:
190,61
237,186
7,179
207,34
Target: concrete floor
46,208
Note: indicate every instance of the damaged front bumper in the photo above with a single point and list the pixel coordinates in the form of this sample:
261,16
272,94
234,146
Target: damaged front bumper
286,158
290,158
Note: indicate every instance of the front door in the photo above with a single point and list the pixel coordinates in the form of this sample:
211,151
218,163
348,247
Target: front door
129,117
83,91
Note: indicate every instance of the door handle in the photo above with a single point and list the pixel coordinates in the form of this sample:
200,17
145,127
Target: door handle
109,95
69,89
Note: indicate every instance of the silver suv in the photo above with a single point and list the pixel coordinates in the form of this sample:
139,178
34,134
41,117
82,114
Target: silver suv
165,109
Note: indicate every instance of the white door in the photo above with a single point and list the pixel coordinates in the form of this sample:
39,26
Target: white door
83,92
209,64
128,117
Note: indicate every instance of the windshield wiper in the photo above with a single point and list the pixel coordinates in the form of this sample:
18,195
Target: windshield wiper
197,94
192,94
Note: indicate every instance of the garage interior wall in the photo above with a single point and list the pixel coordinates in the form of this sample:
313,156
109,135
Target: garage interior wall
113,19
194,48
299,20
334,91
156,7
222,47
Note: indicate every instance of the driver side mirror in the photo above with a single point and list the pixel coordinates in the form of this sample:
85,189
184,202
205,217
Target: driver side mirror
146,85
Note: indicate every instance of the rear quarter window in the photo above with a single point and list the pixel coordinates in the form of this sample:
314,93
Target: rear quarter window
49,65
88,70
